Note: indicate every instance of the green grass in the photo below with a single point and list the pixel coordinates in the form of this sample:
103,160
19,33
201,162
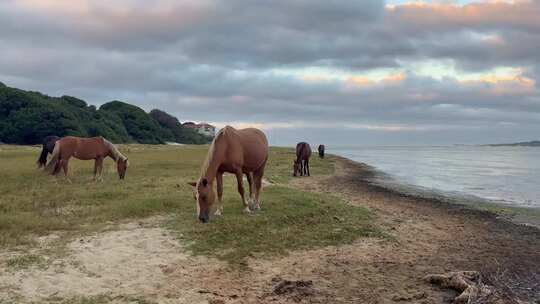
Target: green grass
514,213
288,220
25,261
34,204
99,299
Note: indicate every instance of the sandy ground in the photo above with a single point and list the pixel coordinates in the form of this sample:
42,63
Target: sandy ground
432,237
142,260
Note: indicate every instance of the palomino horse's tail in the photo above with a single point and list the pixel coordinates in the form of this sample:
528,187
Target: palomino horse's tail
51,166
42,160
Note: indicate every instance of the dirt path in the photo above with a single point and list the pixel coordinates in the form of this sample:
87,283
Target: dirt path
129,262
143,261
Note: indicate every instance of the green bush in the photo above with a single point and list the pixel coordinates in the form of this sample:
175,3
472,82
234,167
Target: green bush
27,117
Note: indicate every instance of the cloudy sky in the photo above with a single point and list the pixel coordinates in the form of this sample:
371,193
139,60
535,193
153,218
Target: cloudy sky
338,72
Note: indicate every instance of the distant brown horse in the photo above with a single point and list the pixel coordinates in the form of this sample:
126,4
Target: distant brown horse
321,151
240,152
48,147
96,148
301,163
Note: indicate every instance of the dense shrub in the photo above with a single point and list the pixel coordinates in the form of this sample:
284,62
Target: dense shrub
27,117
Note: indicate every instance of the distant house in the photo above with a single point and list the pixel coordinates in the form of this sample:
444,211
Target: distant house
202,128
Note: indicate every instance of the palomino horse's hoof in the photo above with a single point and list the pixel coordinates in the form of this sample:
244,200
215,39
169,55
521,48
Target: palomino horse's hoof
247,210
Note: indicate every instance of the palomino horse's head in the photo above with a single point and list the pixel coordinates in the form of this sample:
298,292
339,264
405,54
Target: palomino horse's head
203,193
121,166
296,167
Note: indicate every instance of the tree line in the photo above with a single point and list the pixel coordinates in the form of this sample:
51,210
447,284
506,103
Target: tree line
26,117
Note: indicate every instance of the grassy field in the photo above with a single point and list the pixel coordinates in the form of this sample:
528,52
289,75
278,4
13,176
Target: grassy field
34,204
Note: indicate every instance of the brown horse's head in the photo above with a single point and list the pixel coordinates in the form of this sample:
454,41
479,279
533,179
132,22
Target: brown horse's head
121,166
296,167
203,193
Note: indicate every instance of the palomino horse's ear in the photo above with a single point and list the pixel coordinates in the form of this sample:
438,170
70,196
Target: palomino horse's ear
192,184
205,182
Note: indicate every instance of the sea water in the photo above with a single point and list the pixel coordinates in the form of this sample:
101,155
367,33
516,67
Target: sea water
508,175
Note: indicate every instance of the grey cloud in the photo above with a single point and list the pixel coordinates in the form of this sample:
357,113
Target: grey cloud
213,61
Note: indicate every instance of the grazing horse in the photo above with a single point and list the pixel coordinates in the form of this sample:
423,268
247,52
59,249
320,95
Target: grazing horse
48,147
301,163
96,148
239,152
321,151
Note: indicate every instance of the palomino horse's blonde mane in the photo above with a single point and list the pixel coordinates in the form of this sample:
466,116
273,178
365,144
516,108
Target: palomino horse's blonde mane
211,151
116,154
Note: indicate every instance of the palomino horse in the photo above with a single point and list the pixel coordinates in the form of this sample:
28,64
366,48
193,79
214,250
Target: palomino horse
321,151
48,147
96,148
301,163
240,152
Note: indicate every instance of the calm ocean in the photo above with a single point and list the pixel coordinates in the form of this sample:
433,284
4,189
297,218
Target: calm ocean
508,175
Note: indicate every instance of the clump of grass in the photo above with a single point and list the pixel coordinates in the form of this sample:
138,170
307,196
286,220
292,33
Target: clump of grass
289,220
99,299
25,261
517,214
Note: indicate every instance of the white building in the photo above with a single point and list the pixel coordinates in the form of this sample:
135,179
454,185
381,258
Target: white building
202,128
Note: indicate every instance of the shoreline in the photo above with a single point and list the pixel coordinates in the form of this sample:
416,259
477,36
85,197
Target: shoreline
527,216
435,236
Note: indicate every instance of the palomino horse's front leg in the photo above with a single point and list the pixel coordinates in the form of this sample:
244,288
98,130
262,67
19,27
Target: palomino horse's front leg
240,181
219,185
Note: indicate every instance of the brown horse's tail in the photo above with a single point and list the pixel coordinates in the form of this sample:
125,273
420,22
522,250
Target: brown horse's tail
51,166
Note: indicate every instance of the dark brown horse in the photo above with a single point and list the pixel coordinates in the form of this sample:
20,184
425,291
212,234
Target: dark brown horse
240,152
48,147
301,163
96,148
321,151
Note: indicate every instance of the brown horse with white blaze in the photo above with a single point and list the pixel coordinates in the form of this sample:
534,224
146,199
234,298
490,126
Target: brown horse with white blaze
239,152
96,148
